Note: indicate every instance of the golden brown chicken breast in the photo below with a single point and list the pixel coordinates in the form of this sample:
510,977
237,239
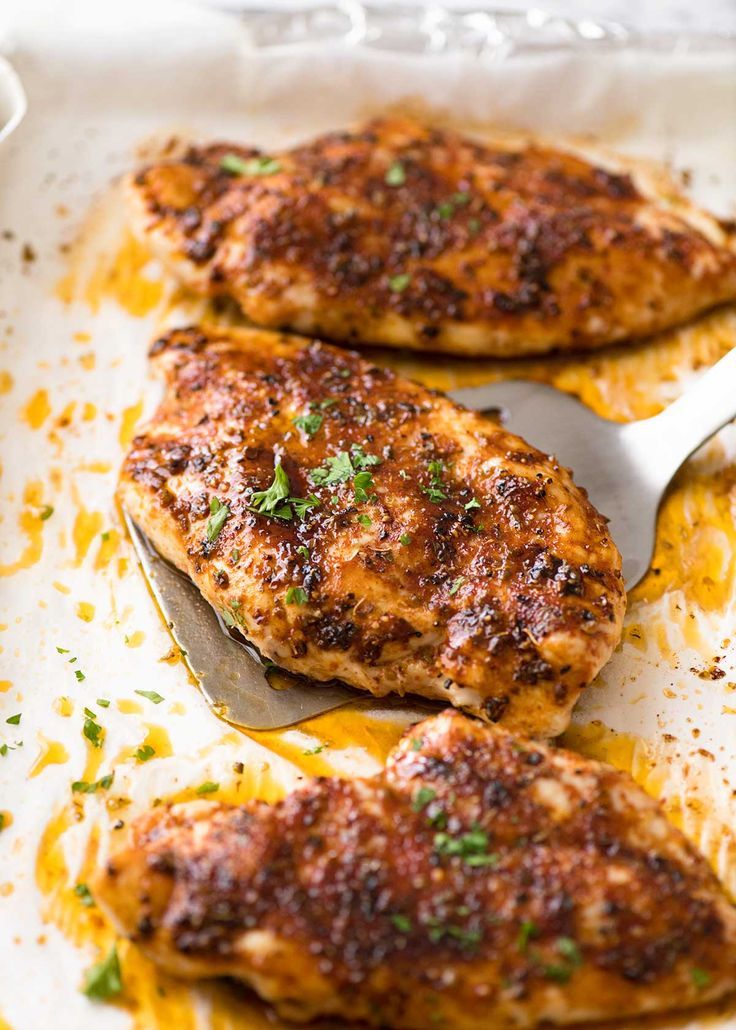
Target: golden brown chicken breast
480,881
358,527
409,236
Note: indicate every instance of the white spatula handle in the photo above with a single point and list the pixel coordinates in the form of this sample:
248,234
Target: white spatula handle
669,438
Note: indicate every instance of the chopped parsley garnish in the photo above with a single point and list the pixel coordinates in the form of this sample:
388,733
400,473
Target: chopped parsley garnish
46,513
14,720
362,483
296,595
102,702
435,490
465,936
219,513
303,504
361,460
104,980
401,922
234,165
4,748
398,283
527,931
144,752
150,695
314,750
276,502
473,503
472,847
235,554
456,585
343,466
395,176
567,947
365,520
92,729
309,424
208,787
80,677
327,403
700,978
560,974
422,798
438,819
447,208
303,551
62,650
85,787
334,470
404,539
85,895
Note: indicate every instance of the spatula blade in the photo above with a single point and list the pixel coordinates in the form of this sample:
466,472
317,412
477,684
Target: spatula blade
233,681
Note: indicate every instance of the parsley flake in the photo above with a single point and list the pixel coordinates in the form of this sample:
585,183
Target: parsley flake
208,787
296,595
46,513
422,798
309,424
14,720
303,551
234,165
472,847
85,895
473,503
700,978
568,948
219,514
435,490
398,283
527,931
395,176
92,730
362,483
456,585
401,922
276,502
85,787
144,752
104,980
150,695
404,539
365,520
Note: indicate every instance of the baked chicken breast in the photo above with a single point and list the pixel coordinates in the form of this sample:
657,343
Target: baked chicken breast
356,526
409,236
479,881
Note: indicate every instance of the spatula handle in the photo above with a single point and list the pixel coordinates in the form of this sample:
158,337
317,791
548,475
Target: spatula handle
706,406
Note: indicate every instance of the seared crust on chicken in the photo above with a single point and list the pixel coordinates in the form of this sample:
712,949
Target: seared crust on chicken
408,236
479,881
359,527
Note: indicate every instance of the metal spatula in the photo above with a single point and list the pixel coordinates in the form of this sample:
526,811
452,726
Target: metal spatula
625,469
